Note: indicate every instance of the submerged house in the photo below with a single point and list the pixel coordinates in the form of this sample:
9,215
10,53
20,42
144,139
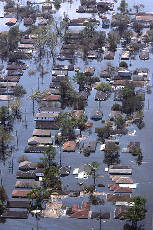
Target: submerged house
46,120
40,141
90,145
19,193
69,146
120,169
80,213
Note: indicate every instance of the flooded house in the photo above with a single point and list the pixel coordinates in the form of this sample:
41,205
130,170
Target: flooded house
144,55
19,204
120,169
19,193
109,55
41,133
80,213
125,55
118,197
27,184
15,214
89,70
40,141
69,146
90,145
46,120
11,21
82,21
124,73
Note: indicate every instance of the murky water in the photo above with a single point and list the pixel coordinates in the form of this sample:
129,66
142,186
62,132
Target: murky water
143,175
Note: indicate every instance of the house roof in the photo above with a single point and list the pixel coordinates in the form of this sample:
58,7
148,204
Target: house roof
27,184
19,193
122,180
118,197
51,98
15,214
40,140
41,132
89,69
11,21
102,215
18,204
47,114
69,146
82,213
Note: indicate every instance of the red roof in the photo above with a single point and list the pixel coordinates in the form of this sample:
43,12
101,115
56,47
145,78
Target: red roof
19,193
51,98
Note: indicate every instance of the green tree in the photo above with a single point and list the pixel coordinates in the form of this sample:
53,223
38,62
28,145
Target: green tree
81,122
103,86
104,132
111,153
38,195
51,178
13,38
138,7
82,79
5,116
19,91
116,107
113,39
49,156
123,64
123,6
120,122
94,166
67,125
3,199
136,212
5,140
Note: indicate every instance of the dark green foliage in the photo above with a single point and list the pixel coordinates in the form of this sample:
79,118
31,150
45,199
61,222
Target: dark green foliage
116,107
120,122
96,200
104,132
103,86
88,189
123,6
19,91
136,212
111,153
49,156
51,178
123,64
